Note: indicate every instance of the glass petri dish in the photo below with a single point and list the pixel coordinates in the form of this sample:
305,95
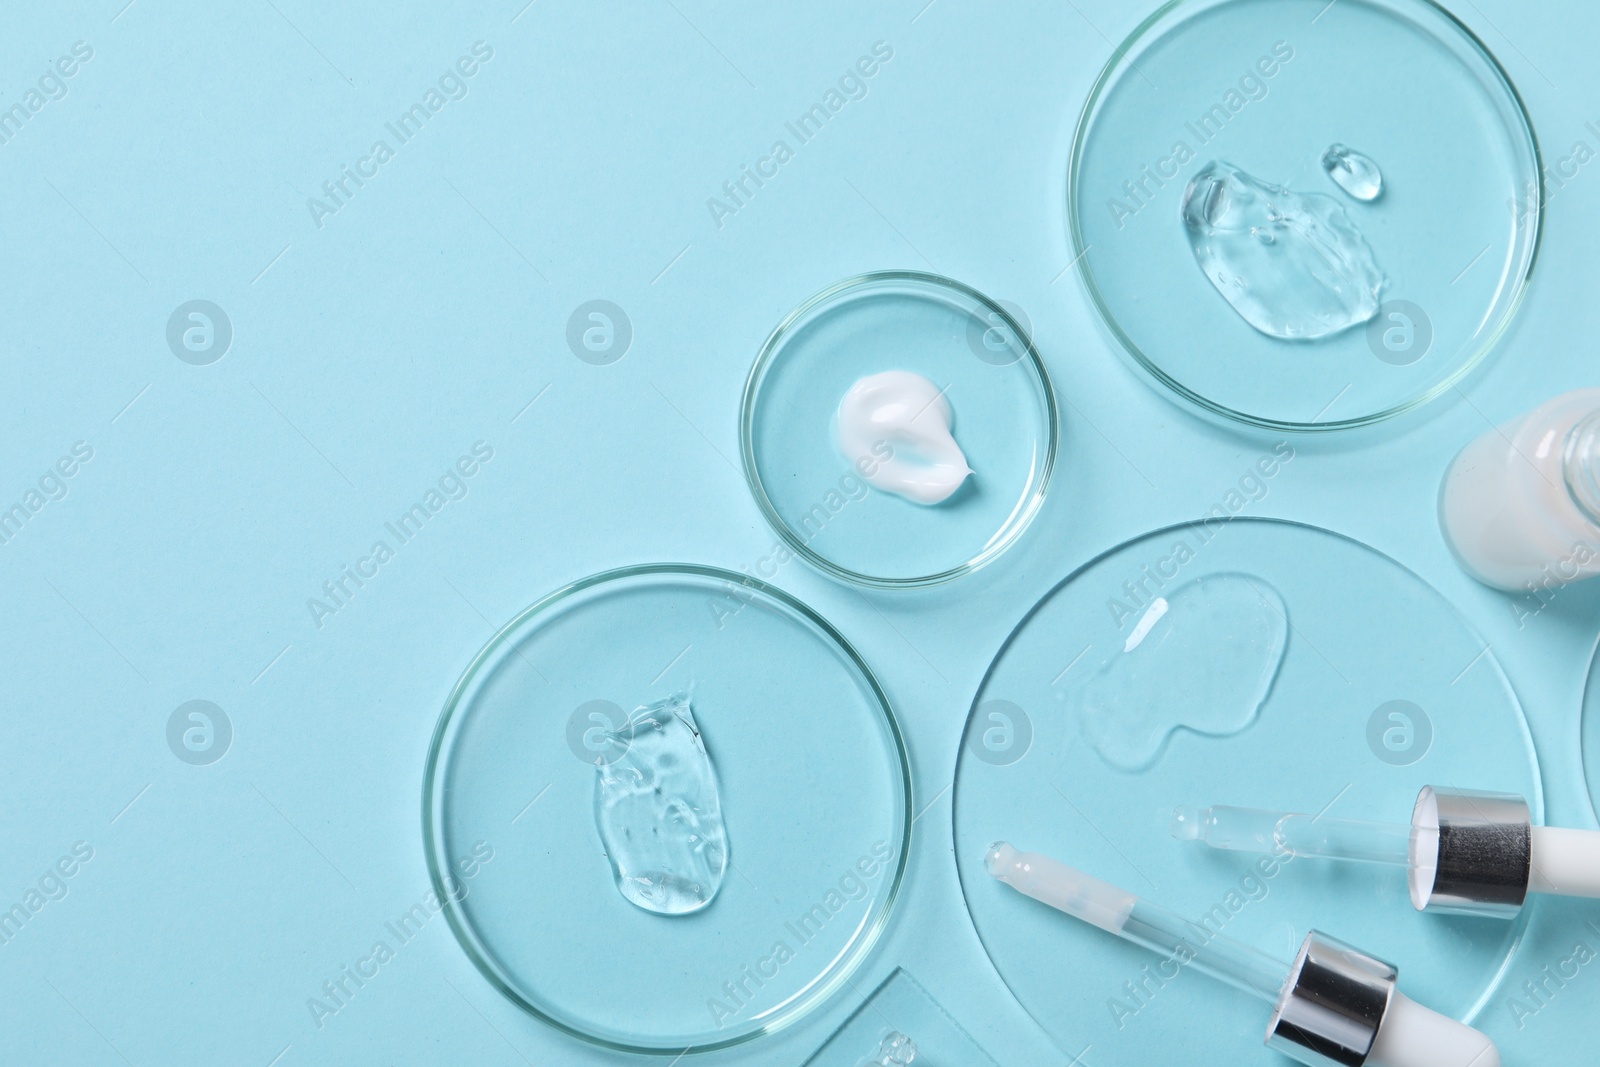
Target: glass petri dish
1003,417
1590,728
810,774
1269,86
1381,688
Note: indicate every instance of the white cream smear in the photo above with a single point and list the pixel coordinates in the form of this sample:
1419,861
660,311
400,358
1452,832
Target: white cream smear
894,428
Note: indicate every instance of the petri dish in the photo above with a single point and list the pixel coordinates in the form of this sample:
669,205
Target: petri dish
1591,733
1270,86
1003,416
812,796
1367,686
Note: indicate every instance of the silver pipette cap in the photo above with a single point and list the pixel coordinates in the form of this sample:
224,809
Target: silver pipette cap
1471,853
1332,1004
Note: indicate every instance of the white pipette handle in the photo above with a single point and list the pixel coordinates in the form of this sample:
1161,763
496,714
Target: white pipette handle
1565,862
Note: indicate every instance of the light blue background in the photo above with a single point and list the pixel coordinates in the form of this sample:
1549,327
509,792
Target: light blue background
425,316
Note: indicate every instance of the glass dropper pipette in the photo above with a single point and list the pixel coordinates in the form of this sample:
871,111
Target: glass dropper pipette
1466,853
1290,833
1333,1005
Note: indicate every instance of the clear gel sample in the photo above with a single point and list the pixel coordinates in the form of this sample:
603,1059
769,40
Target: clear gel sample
1201,658
1353,172
659,813
894,1050
1292,265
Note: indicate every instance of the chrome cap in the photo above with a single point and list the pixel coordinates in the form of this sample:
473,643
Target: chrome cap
1471,853
1331,1005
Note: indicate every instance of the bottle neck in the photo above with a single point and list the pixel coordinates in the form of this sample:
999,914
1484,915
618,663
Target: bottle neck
1580,465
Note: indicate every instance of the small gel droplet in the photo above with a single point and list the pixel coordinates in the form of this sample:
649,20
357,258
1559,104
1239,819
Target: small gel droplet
894,1050
1353,172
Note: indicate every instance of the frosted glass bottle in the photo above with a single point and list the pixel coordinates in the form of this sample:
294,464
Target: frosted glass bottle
1520,506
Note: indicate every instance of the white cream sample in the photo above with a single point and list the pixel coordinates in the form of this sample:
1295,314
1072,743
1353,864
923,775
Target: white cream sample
894,428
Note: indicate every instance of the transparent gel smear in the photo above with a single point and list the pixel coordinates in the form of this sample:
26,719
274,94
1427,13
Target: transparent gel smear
894,1050
1202,658
1292,265
1353,172
659,813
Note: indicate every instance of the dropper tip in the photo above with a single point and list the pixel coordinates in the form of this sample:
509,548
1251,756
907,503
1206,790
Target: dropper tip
1187,824
1063,888
999,857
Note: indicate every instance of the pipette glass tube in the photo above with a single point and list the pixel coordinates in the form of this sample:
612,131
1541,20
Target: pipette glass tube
1333,1006
1139,921
1288,833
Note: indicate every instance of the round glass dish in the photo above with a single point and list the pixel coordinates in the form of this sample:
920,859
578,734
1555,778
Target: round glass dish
1003,418
1590,730
1374,686
811,800
1269,86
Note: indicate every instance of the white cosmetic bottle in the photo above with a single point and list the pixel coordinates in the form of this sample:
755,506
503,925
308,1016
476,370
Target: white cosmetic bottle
1520,506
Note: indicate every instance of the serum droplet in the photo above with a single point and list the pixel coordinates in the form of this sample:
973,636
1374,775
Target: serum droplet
894,1050
1353,172
1292,265
659,812
1201,658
